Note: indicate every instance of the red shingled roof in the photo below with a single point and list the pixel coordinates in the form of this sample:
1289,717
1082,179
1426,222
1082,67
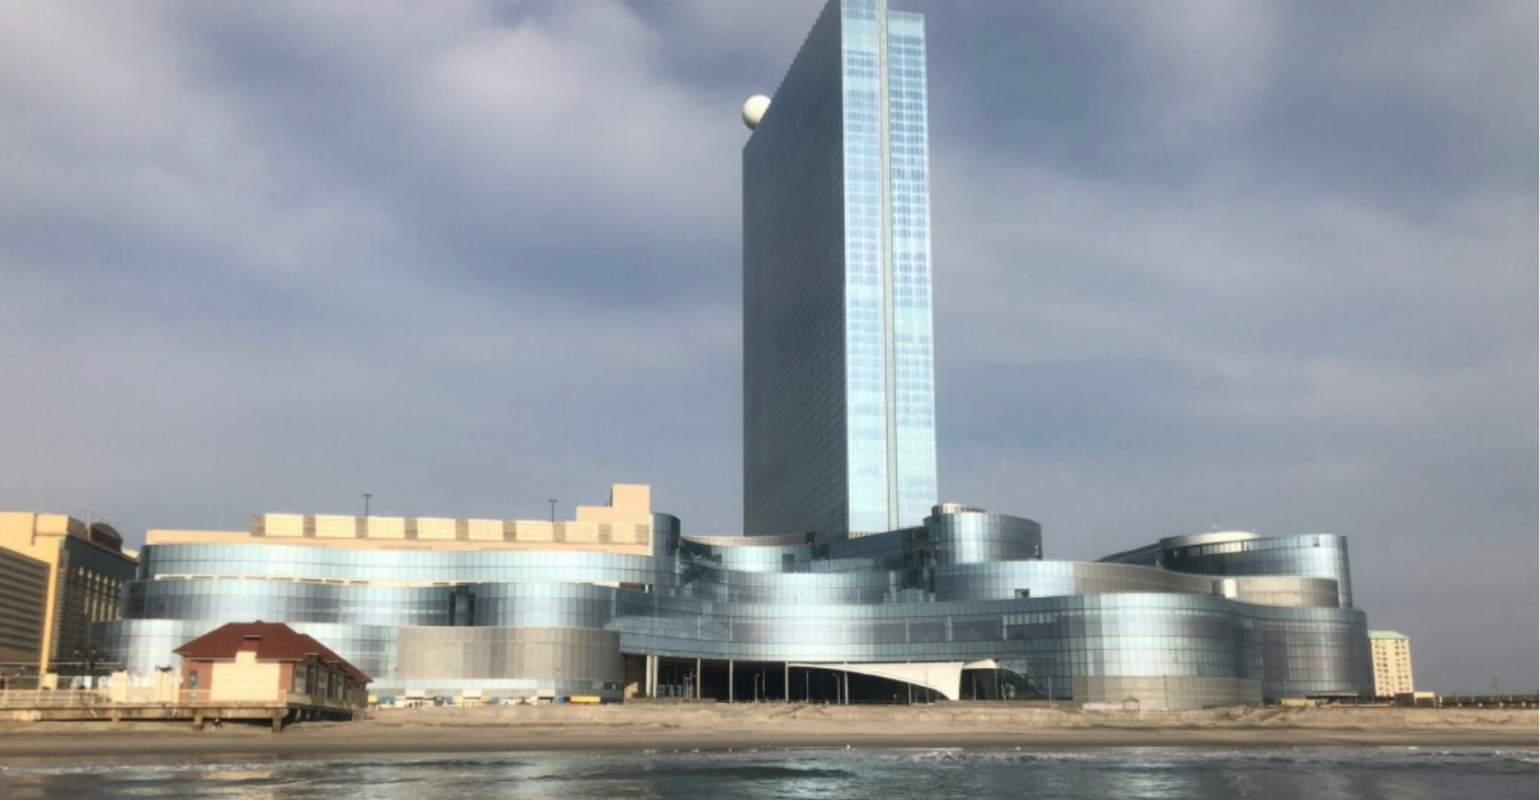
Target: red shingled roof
272,641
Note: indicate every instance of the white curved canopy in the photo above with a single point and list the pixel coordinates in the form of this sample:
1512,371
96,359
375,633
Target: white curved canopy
942,677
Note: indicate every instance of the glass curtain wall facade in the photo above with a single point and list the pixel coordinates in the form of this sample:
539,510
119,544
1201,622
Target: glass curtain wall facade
963,586
1321,555
839,409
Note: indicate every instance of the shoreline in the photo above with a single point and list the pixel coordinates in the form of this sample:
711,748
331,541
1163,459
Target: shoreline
744,728
182,748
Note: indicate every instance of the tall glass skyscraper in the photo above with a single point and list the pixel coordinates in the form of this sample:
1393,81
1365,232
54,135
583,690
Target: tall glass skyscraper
838,383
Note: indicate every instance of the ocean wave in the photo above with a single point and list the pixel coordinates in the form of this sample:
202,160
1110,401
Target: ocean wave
735,772
1157,758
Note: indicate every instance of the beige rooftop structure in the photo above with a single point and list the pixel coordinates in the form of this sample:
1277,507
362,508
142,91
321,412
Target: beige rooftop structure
622,526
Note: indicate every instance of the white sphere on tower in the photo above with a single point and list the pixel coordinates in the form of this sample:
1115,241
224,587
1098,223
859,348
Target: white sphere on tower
754,110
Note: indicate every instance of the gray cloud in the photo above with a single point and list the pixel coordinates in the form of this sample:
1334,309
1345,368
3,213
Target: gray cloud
1252,265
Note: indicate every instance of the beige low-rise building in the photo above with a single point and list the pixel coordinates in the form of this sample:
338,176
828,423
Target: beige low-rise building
1392,655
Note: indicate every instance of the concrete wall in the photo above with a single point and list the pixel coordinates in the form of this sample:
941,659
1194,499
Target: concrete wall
1156,693
246,680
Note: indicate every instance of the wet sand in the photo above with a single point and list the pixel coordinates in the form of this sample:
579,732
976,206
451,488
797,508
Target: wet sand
639,727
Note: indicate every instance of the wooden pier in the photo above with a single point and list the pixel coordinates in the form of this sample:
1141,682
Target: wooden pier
88,705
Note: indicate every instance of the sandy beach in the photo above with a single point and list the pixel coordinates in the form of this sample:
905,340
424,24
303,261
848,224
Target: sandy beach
742,727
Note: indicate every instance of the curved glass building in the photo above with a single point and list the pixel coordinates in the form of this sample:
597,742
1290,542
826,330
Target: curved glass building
963,606
851,584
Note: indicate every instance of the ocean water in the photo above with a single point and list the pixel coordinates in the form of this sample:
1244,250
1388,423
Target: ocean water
1255,774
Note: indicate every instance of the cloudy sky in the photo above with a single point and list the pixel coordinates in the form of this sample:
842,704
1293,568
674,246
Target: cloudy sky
1199,264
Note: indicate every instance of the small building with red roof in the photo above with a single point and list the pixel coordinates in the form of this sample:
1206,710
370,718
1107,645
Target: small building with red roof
269,662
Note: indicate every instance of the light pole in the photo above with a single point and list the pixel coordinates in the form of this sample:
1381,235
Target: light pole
553,511
367,495
90,654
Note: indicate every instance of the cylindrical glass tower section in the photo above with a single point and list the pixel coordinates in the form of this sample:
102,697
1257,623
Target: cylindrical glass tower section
976,537
1311,555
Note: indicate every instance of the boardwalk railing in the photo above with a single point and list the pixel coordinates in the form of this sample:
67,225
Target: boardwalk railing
93,698
60,698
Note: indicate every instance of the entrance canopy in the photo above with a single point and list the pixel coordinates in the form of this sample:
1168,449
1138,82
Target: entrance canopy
942,677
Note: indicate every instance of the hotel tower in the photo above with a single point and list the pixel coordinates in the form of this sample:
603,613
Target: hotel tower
839,424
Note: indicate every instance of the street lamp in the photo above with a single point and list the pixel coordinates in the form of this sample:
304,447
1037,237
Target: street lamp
553,510
90,654
367,495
